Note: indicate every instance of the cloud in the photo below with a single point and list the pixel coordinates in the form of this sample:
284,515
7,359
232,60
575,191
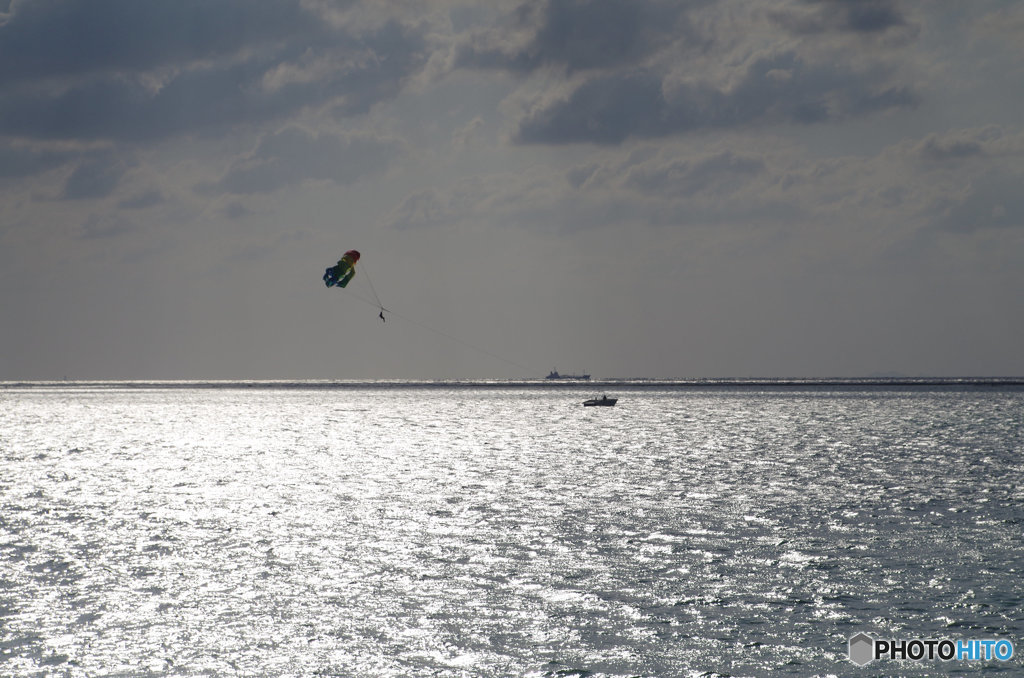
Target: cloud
980,143
902,196
782,89
718,173
992,200
1004,25
620,69
421,209
464,137
855,16
143,72
236,210
143,200
619,190
105,226
19,160
95,177
526,199
294,155
671,186
577,35
52,39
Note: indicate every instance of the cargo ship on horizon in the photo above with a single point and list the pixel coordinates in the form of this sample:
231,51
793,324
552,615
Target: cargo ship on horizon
578,377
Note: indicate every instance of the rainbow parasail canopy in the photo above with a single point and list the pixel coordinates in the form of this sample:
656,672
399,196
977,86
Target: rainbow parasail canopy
341,273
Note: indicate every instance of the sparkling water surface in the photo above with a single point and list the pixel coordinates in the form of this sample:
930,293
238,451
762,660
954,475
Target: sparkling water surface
503,529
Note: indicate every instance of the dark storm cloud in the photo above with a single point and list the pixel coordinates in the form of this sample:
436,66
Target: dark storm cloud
610,108
857,16
578,35
294,155
142,72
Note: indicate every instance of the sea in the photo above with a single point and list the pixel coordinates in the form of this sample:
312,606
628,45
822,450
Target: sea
500,528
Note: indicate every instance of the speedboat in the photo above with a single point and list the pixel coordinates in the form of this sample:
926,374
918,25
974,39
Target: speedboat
603,401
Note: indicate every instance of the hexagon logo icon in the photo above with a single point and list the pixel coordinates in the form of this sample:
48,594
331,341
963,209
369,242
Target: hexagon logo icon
862,649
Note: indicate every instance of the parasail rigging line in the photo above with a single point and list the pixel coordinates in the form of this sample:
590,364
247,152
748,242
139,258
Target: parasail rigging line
344,271
376,303
366,274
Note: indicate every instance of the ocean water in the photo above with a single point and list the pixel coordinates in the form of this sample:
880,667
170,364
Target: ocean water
501,529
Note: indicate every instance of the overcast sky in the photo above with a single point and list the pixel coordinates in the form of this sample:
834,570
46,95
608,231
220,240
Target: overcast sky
635,188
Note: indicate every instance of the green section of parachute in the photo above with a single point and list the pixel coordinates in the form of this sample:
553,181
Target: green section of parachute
341,273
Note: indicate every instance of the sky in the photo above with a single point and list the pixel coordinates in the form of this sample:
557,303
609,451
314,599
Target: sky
631,188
